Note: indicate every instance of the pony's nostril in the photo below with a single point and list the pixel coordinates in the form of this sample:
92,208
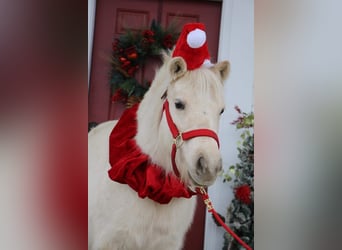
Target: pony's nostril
201,164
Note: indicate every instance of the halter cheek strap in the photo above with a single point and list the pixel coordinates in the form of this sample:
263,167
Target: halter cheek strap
180,137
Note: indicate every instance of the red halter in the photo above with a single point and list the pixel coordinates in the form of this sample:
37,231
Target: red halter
180,137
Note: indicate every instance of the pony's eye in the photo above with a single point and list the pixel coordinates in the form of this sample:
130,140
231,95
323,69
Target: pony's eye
179,105
222,110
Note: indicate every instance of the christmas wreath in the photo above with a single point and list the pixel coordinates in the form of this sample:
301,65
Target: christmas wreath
240,213
129,54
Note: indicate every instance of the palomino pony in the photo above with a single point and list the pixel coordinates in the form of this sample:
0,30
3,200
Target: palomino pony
118,217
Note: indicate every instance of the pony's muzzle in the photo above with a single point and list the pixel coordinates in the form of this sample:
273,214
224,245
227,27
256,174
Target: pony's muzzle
207,171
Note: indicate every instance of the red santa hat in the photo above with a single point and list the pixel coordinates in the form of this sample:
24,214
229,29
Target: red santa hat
192,46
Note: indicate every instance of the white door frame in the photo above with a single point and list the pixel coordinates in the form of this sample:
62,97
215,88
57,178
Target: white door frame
91,27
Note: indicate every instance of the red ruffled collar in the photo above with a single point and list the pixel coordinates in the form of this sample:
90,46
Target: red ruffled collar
129,165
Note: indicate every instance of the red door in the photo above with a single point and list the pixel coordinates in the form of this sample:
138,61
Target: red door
112,17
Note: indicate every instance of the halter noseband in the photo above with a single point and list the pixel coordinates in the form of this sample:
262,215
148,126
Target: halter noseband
180,137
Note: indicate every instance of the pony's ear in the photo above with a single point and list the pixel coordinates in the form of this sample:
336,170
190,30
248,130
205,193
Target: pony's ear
223,68
177,67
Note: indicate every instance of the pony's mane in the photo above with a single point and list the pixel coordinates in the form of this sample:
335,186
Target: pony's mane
150,110
204,81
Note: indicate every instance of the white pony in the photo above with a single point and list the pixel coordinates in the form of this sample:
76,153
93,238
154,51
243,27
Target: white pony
118,217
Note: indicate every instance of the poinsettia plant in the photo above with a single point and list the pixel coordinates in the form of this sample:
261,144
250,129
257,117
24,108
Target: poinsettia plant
240,213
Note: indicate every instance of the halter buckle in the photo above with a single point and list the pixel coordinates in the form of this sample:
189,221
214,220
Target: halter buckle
202,190
178,141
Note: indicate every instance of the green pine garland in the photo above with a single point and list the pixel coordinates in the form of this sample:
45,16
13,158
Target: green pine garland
240,213
130,52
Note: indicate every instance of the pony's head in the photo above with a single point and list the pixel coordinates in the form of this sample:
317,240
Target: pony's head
195,101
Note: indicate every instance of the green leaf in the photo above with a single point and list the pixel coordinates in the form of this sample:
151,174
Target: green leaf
243,135
128,87
228,178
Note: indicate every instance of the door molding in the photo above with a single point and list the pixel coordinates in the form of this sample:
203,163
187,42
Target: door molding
91,27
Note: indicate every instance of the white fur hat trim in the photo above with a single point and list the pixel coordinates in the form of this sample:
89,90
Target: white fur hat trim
196,38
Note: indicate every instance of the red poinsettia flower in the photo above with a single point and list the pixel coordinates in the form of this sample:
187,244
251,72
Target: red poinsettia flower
243,193
148,36
148,33
167,42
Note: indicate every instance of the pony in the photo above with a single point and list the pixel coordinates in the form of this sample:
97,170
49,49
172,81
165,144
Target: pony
118,218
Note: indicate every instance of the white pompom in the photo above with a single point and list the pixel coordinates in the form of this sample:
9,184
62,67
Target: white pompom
196,38
207,63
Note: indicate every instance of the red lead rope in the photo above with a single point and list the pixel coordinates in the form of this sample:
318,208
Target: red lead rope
201,191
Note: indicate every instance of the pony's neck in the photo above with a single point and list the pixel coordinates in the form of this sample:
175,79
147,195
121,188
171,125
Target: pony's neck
153,136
